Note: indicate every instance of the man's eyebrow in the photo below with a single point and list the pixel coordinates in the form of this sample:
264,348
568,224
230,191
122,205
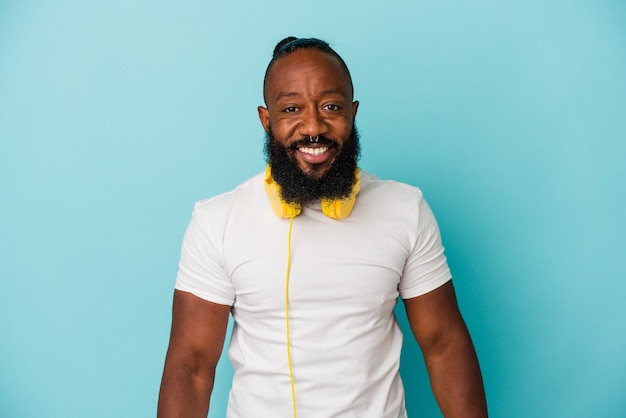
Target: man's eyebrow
290,94
283,94
338,91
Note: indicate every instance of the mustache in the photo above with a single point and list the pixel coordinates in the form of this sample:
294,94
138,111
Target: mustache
307,141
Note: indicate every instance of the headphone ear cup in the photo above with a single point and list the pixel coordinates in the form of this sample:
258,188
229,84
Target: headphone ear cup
341,208
337,209
281,208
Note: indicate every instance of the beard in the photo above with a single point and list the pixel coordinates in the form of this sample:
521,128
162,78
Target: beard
301,188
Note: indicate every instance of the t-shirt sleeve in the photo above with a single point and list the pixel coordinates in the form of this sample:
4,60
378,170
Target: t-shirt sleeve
200,270
426,267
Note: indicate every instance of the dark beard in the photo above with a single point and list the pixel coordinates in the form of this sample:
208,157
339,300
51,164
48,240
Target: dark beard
297,187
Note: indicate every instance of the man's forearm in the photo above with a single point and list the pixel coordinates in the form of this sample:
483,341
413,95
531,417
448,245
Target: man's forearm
196,341
456,379
183,395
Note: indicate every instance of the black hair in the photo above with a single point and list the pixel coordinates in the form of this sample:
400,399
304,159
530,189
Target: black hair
292,44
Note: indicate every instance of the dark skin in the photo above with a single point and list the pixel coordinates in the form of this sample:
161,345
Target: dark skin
196,341
451,361
308,94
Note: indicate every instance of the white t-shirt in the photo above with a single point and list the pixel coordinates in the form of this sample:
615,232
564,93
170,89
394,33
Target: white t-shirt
344,281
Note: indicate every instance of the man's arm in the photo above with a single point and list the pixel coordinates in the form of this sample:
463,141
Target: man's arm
196,341
448,352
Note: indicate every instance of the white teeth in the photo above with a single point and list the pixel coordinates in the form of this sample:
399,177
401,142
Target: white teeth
313,151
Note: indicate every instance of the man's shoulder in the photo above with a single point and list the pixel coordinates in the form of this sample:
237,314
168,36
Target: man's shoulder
245,191
372,184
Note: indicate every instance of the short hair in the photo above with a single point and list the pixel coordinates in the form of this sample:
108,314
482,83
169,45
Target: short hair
291,44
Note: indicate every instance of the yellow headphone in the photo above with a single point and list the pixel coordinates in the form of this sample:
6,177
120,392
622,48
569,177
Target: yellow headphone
333,208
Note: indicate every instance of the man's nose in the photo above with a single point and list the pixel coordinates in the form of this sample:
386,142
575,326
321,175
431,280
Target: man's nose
312,123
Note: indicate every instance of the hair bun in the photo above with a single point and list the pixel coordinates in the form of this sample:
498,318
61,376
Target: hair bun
279,46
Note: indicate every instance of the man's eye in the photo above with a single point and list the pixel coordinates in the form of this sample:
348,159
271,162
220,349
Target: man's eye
332,107
290,109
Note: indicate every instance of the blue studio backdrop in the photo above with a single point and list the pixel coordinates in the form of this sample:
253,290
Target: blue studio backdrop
115,117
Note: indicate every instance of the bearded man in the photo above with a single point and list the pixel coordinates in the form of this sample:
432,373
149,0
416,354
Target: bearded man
310,257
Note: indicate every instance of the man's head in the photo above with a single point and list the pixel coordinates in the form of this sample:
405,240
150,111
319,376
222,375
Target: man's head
312,143
292,44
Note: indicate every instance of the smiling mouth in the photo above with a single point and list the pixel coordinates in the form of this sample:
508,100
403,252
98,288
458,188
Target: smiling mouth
320,142
313,151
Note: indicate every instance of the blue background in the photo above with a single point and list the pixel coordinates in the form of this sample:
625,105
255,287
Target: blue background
115,117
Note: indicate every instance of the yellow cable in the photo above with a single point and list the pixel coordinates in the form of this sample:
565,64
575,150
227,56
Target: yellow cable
293,390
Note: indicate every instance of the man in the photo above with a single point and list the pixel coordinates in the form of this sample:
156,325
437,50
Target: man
309,258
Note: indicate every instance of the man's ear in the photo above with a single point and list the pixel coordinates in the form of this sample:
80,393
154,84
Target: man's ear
264,117
355,107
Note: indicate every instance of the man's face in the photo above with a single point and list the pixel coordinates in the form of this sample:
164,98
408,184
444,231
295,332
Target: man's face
309,95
